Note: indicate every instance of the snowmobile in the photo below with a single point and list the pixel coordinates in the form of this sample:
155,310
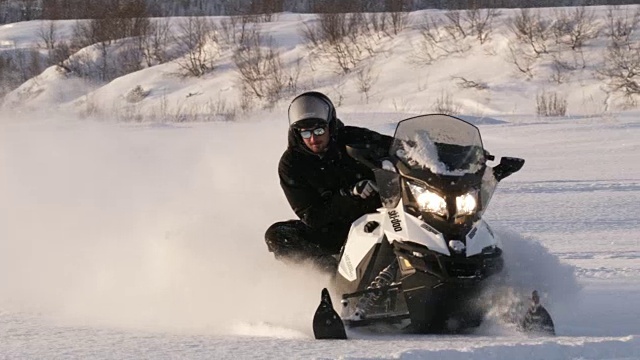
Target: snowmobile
422,261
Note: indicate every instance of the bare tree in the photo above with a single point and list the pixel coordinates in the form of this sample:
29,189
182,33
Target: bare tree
521,59
260,70
124,19
399,14
196,40
480,22
399,21
575,28
366,79
438,40
154,45
561,68
235,29
620,29
621,68
454,25
344,39
9,75
48,33
531,29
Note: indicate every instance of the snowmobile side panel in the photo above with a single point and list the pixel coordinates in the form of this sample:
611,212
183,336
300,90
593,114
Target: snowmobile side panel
400,225
360,243
480,238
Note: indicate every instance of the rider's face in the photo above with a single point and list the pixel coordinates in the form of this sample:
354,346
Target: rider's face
317,143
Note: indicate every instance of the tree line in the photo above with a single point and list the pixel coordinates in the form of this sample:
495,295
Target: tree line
25,10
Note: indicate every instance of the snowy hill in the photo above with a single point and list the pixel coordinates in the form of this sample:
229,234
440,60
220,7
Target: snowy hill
402,72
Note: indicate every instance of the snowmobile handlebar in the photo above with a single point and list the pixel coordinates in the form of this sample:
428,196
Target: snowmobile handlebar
364,154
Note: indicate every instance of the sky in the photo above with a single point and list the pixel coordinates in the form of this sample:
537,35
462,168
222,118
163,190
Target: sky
145,239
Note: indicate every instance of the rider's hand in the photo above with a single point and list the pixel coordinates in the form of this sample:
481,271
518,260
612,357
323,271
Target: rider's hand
364,189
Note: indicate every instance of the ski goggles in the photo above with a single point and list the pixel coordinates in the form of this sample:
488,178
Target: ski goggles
319,131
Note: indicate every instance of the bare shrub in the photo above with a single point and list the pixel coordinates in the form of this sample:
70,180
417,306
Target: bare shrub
154,45
235,29
129,58
20,66
621,29
399,21
575,28
220,110
560,70
343,39
523,60
379,22
59,54
260,70
128,113
454,25
439,39
123,19
550,104
621,70
480,22
112,34
532,29
366,79
48,34
9,79
458,25
470,84
621,66
197,40
136,94
403,106
103,62
445,105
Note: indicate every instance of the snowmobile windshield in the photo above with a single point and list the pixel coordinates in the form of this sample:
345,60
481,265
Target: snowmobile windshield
441,144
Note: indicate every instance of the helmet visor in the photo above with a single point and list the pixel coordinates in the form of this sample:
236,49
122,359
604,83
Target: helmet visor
308,111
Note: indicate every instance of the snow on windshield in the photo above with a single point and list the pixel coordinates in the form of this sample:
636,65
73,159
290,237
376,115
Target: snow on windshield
421,151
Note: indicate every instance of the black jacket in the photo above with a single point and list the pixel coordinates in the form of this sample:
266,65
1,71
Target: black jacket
318,187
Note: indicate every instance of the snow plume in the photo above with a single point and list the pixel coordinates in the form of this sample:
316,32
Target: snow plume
530,266
148,226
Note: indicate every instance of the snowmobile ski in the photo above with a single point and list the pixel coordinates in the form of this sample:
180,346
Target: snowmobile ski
326,322
537,320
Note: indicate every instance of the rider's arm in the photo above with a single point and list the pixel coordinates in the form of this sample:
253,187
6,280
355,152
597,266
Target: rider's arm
318,209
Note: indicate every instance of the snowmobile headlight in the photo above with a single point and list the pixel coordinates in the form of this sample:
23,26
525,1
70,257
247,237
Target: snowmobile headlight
467,204
428,200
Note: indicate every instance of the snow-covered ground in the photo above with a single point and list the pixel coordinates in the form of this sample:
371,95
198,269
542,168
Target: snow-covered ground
121,240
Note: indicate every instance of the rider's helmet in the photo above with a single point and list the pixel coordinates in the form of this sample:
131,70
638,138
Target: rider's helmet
311,109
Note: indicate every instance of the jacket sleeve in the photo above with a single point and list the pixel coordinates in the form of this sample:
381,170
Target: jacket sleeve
315,209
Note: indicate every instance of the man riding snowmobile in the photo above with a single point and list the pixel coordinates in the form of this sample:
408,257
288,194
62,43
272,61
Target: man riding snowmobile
325,187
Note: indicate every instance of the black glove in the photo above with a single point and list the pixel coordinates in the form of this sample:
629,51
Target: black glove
364,189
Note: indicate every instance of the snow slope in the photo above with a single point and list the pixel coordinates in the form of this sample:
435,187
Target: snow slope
122,240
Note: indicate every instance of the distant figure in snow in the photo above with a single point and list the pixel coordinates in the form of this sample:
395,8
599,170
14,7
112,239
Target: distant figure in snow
325,187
